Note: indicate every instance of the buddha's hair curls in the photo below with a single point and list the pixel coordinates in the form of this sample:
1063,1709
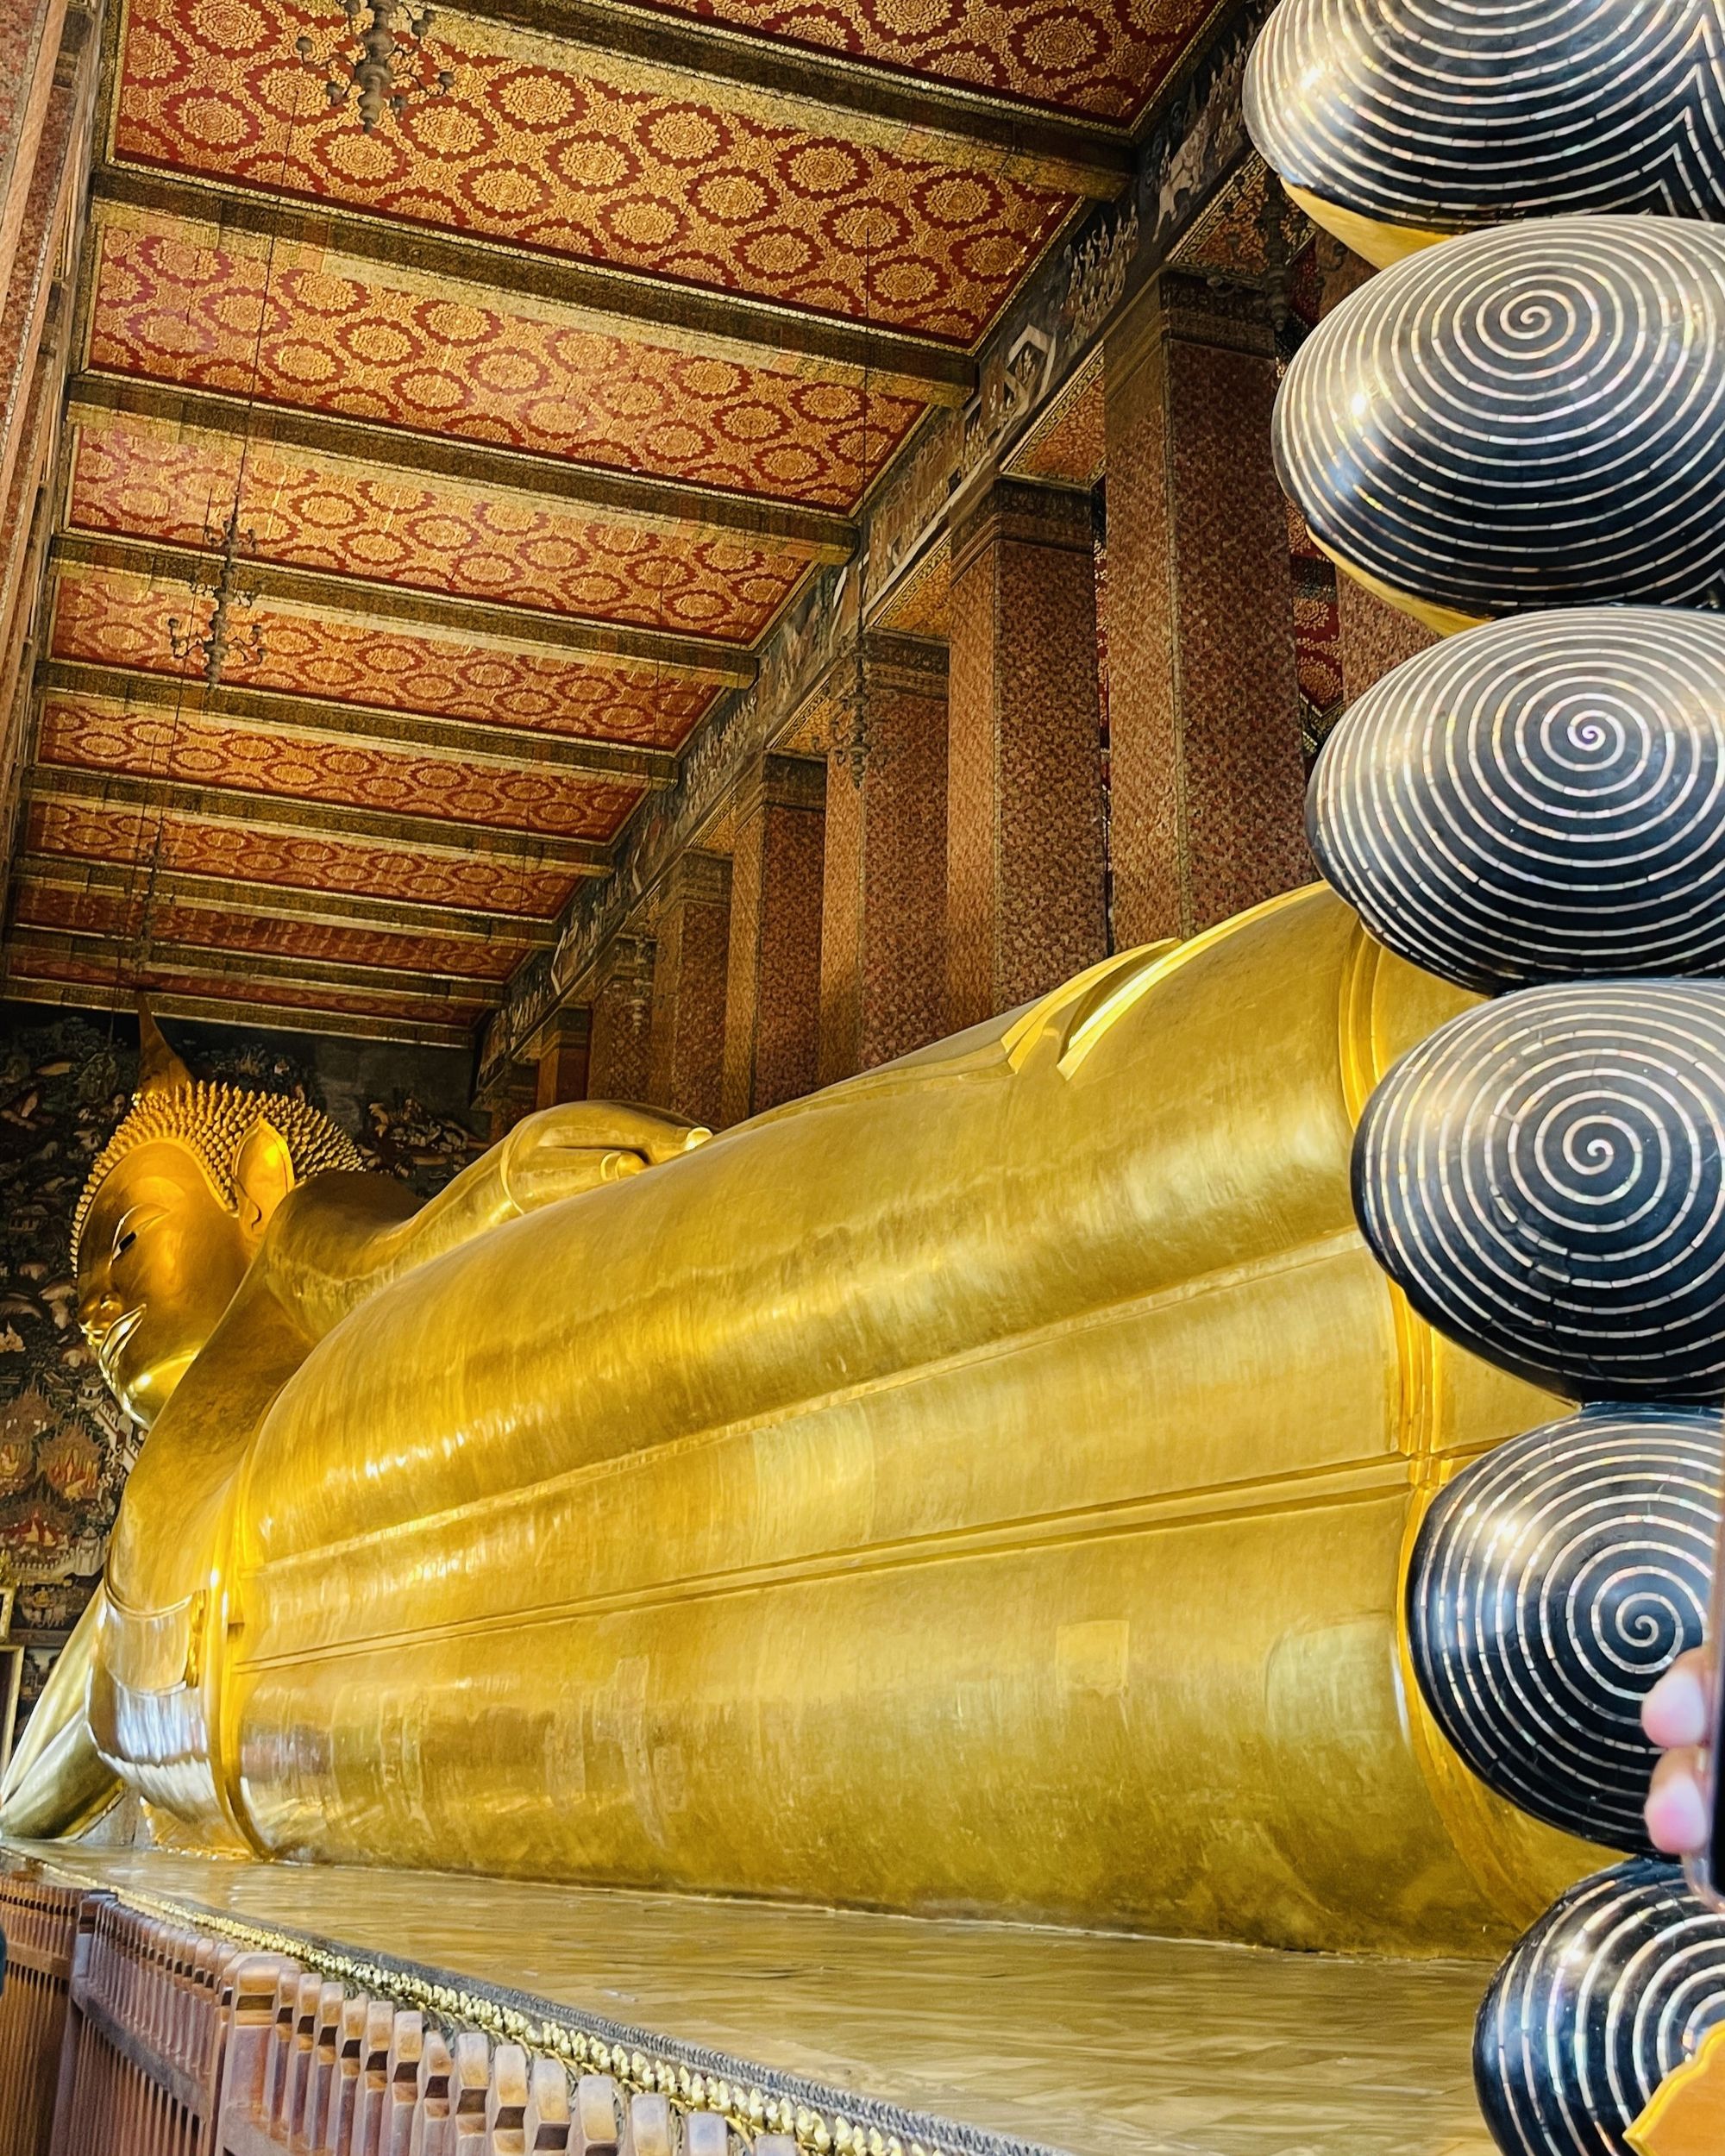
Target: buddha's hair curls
211,1119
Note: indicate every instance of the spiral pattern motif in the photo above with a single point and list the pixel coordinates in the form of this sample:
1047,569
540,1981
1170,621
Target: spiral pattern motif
1540,799
1545,1176
1607,1993
1530,416
1552,1583
1449,114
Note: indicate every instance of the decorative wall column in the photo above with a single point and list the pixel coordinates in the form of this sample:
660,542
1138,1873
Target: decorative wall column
46,103
693,934
563,1043
1374,638
772,1007
619,1052
1206,787
883,917
1025,891
30,32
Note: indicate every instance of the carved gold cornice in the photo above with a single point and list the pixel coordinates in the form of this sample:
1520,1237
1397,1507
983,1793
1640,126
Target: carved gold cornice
477,620
636,499
229,805
281,902
618,303
362,725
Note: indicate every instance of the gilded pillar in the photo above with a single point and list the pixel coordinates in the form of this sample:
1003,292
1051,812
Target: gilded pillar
883,917
1025,891
562,1059
685,1069
619,1049
772,999
1206,782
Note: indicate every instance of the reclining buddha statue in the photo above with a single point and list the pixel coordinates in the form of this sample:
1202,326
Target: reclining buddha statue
981,1487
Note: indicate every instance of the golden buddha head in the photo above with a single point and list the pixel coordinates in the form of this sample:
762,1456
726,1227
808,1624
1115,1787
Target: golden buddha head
173,1211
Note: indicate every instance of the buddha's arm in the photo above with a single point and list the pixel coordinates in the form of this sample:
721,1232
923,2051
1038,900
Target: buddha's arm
345,1239
57,1782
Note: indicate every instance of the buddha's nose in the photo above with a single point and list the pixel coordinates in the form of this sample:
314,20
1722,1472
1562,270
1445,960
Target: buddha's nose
97,1310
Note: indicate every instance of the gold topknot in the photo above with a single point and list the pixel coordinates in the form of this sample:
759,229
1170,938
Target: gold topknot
212,1118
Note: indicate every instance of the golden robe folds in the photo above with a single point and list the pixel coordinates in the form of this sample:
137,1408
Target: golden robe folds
981,1487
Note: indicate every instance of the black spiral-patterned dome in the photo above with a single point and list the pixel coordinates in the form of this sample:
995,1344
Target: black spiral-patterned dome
1530,416
1545,1176
1537,799
1553,1583
1450,114
1609,1992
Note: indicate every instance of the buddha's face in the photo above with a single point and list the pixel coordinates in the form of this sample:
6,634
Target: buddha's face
158,1264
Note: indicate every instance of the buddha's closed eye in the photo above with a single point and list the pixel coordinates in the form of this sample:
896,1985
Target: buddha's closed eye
130,1226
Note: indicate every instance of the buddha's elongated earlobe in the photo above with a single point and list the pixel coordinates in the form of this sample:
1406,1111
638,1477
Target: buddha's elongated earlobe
263,1174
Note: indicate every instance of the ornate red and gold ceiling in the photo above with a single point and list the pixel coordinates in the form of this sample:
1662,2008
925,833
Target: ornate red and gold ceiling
425,489
142,476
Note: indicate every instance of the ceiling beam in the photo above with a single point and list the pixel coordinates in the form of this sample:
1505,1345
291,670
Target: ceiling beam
279,901
239,811
1045,149
355,725
470,742
615,301
174,955
477,620
242,1010
626,498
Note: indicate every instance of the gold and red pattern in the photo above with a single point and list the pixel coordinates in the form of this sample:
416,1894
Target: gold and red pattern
1317,648
115,617
187,748
1068,443
107,913
118,971
611,161
143,477
1106,58
389,345
140,839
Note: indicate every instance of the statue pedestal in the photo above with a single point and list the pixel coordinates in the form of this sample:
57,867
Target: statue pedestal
956,2037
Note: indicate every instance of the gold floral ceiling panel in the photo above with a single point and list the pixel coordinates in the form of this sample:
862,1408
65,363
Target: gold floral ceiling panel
604,157
173,304
1106,58
149,479
116,619
219,928
507,431
187,748
147,842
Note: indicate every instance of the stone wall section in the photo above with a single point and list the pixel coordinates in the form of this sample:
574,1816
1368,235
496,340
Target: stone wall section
620,1045
693,935
883,926
1206,778
1025,903
772,1014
